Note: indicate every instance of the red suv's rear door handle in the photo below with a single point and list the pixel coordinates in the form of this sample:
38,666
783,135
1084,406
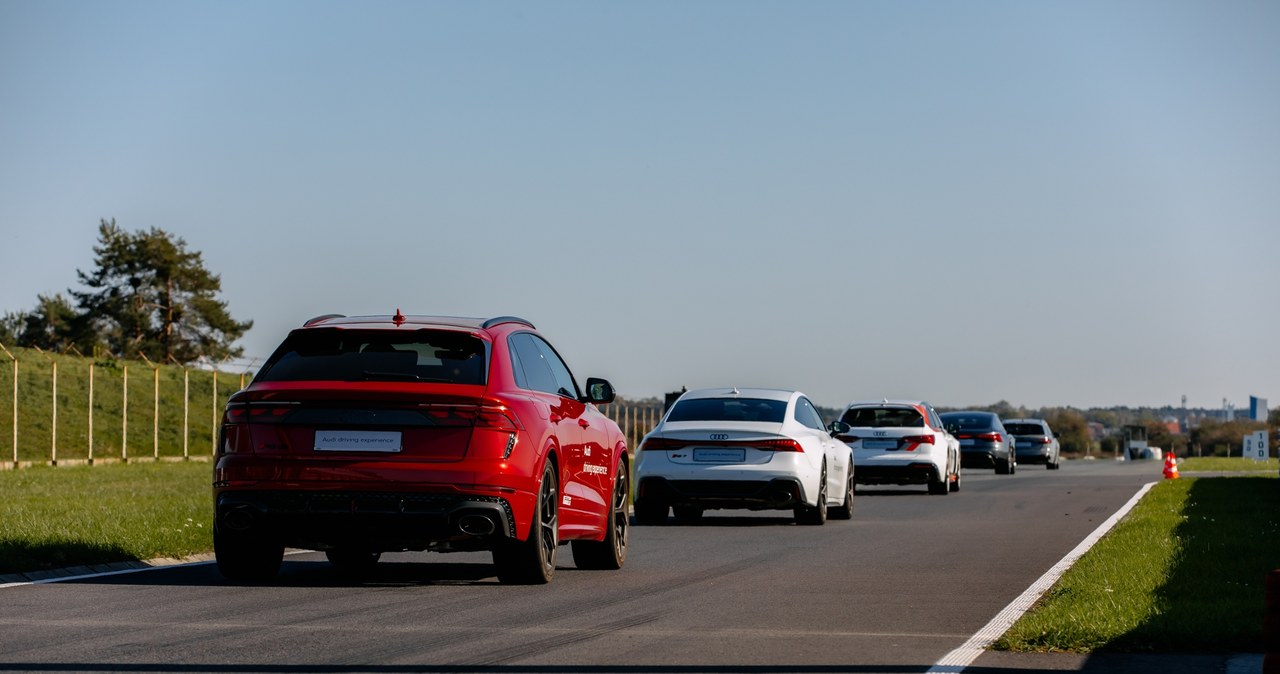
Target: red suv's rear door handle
583,423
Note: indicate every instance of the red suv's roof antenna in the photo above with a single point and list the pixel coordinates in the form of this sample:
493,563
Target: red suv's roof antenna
398,319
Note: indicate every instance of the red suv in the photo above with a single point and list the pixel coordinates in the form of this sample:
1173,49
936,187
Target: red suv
372,434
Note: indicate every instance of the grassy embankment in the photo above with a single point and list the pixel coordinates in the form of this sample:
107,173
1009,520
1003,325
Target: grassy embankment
1184,572
155,401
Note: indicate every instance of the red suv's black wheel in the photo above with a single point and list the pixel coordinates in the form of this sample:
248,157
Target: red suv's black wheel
533,561
612,551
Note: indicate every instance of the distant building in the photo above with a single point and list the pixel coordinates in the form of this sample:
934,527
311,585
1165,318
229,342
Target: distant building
1257,408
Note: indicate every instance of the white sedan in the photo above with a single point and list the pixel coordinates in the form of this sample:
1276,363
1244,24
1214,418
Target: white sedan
901,442
752,448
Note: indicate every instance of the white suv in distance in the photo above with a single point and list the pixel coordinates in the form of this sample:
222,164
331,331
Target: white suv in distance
900,442
752,448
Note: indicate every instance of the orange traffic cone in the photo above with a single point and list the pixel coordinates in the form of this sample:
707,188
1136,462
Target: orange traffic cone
1170,466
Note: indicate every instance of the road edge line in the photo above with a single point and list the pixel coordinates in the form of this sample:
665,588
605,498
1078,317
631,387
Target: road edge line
64,575
960,658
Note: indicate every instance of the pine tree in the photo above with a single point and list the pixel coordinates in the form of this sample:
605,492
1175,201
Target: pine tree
148,294
54,325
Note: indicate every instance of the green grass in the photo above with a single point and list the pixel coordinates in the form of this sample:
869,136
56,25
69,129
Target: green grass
67,516
1222,463
1184,572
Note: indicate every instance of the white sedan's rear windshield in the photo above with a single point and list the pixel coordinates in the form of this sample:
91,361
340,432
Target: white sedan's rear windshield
729,409
442,356
883,417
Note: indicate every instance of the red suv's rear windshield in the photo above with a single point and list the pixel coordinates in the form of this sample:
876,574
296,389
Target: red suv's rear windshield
321,354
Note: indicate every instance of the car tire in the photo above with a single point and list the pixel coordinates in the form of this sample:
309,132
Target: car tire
940,486
533,560
353,561
955,482
611,553
687,514
815,515
845,510
1004,467
651,512
245,557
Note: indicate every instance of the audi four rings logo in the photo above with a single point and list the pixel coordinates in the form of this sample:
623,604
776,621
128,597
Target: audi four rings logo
719,436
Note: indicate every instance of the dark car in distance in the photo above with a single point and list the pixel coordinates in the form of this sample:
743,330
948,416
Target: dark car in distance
1034,442
984,441
375,434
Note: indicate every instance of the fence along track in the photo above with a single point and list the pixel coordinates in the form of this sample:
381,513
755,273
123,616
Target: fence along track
66,410
60,409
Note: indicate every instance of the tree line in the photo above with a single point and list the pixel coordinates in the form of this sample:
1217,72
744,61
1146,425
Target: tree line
147,295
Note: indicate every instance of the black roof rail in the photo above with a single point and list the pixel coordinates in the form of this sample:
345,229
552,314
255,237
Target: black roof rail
499,320
325,317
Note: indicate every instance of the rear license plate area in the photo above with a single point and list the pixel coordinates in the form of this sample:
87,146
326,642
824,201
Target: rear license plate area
358,441
719,455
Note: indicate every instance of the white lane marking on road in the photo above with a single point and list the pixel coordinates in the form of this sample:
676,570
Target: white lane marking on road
151,566
63,579
957,660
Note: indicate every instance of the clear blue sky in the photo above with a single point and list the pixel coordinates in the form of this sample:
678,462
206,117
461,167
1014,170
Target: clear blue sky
1050,203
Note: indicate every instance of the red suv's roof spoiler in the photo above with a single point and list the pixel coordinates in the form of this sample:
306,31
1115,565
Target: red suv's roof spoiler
499,320
485,324
325,317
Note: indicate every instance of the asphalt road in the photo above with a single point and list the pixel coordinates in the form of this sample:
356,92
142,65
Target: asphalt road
910,578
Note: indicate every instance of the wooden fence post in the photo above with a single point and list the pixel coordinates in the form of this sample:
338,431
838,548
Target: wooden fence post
15,404
124,416
155,406
186,408
216,417
53,425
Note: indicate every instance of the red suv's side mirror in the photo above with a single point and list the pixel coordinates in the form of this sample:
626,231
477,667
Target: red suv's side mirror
599,391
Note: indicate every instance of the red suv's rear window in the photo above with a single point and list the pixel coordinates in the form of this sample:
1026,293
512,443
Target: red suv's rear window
332,354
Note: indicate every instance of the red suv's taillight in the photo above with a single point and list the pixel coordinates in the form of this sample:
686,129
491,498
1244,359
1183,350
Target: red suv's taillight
497,417
257,413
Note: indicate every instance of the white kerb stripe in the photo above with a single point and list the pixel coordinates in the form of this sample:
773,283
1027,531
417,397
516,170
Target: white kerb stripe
962,657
